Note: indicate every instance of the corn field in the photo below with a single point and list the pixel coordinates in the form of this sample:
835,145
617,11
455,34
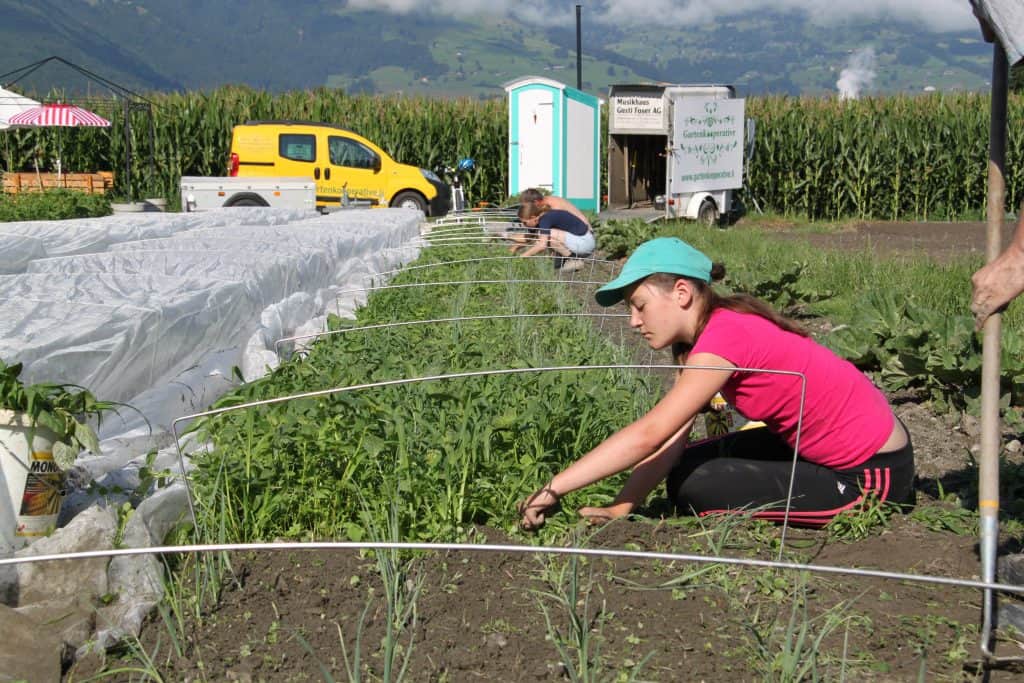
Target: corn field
193,135
885,158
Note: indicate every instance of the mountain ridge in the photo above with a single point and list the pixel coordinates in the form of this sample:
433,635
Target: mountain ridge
157,45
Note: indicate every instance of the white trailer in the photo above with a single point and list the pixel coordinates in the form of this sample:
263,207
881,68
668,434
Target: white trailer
676,150
202,193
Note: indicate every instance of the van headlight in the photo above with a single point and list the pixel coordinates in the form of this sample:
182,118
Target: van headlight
430,175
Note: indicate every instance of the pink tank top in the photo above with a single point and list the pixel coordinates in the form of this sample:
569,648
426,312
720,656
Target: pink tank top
846,418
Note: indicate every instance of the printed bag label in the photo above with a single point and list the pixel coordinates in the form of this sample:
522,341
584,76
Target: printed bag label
41,499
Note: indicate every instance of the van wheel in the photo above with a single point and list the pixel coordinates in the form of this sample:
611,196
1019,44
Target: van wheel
409,200
708,213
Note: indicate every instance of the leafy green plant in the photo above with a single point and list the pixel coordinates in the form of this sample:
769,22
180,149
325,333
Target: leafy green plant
461,450
618,238
149,479
60,408
52,205
912,347
787,289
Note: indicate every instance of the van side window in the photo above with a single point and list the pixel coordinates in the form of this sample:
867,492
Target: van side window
297,147
346,152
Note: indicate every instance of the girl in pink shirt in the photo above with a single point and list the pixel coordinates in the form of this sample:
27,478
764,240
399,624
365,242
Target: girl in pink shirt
848,441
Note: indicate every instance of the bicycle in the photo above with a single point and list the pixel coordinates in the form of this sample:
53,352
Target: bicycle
465,165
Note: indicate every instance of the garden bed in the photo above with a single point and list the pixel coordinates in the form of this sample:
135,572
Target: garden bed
480,616
297,615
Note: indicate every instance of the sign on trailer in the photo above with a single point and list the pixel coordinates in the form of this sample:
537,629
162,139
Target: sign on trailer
708,154
638,112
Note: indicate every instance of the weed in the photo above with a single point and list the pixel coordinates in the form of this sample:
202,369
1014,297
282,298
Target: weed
862,521
945,517
925,630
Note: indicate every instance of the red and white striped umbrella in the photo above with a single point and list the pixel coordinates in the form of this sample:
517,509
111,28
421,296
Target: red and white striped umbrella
66,115
59,116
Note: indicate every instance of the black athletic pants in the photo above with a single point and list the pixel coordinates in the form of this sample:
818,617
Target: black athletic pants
751,469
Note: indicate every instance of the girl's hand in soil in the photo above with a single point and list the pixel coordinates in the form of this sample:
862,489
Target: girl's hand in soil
533,508
602,515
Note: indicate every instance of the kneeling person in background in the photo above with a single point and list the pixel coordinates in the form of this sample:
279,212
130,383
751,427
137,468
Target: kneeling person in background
561,232
541,200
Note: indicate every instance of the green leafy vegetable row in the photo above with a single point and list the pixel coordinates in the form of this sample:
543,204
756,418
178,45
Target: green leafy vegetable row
451,453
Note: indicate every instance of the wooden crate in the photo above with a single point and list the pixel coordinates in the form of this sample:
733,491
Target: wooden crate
93,183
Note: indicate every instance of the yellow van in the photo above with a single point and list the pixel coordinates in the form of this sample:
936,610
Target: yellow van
340,161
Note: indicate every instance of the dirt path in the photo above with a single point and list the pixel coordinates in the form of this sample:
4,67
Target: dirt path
940,241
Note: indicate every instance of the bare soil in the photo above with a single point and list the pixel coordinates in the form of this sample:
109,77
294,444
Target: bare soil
479,616
942,241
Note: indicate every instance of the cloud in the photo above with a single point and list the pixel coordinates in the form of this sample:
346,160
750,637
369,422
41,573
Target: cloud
934,15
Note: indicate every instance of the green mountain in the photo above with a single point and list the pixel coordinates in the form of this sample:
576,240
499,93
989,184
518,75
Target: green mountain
299,44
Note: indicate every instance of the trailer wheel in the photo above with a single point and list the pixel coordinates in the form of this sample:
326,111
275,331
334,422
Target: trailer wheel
708,213
409,200
247,199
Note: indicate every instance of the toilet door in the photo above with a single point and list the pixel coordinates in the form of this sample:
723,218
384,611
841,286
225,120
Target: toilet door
536,139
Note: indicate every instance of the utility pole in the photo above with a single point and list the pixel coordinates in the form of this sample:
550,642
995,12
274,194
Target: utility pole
579,50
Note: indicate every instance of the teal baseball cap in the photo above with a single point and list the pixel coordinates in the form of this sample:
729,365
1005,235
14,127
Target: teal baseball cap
660,255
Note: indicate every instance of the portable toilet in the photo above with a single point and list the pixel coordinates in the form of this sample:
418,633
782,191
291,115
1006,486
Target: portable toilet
554,140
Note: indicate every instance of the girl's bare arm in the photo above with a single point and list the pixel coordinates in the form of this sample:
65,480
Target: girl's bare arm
638,441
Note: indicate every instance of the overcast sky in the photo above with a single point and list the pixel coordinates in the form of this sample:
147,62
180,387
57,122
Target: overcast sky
936,15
